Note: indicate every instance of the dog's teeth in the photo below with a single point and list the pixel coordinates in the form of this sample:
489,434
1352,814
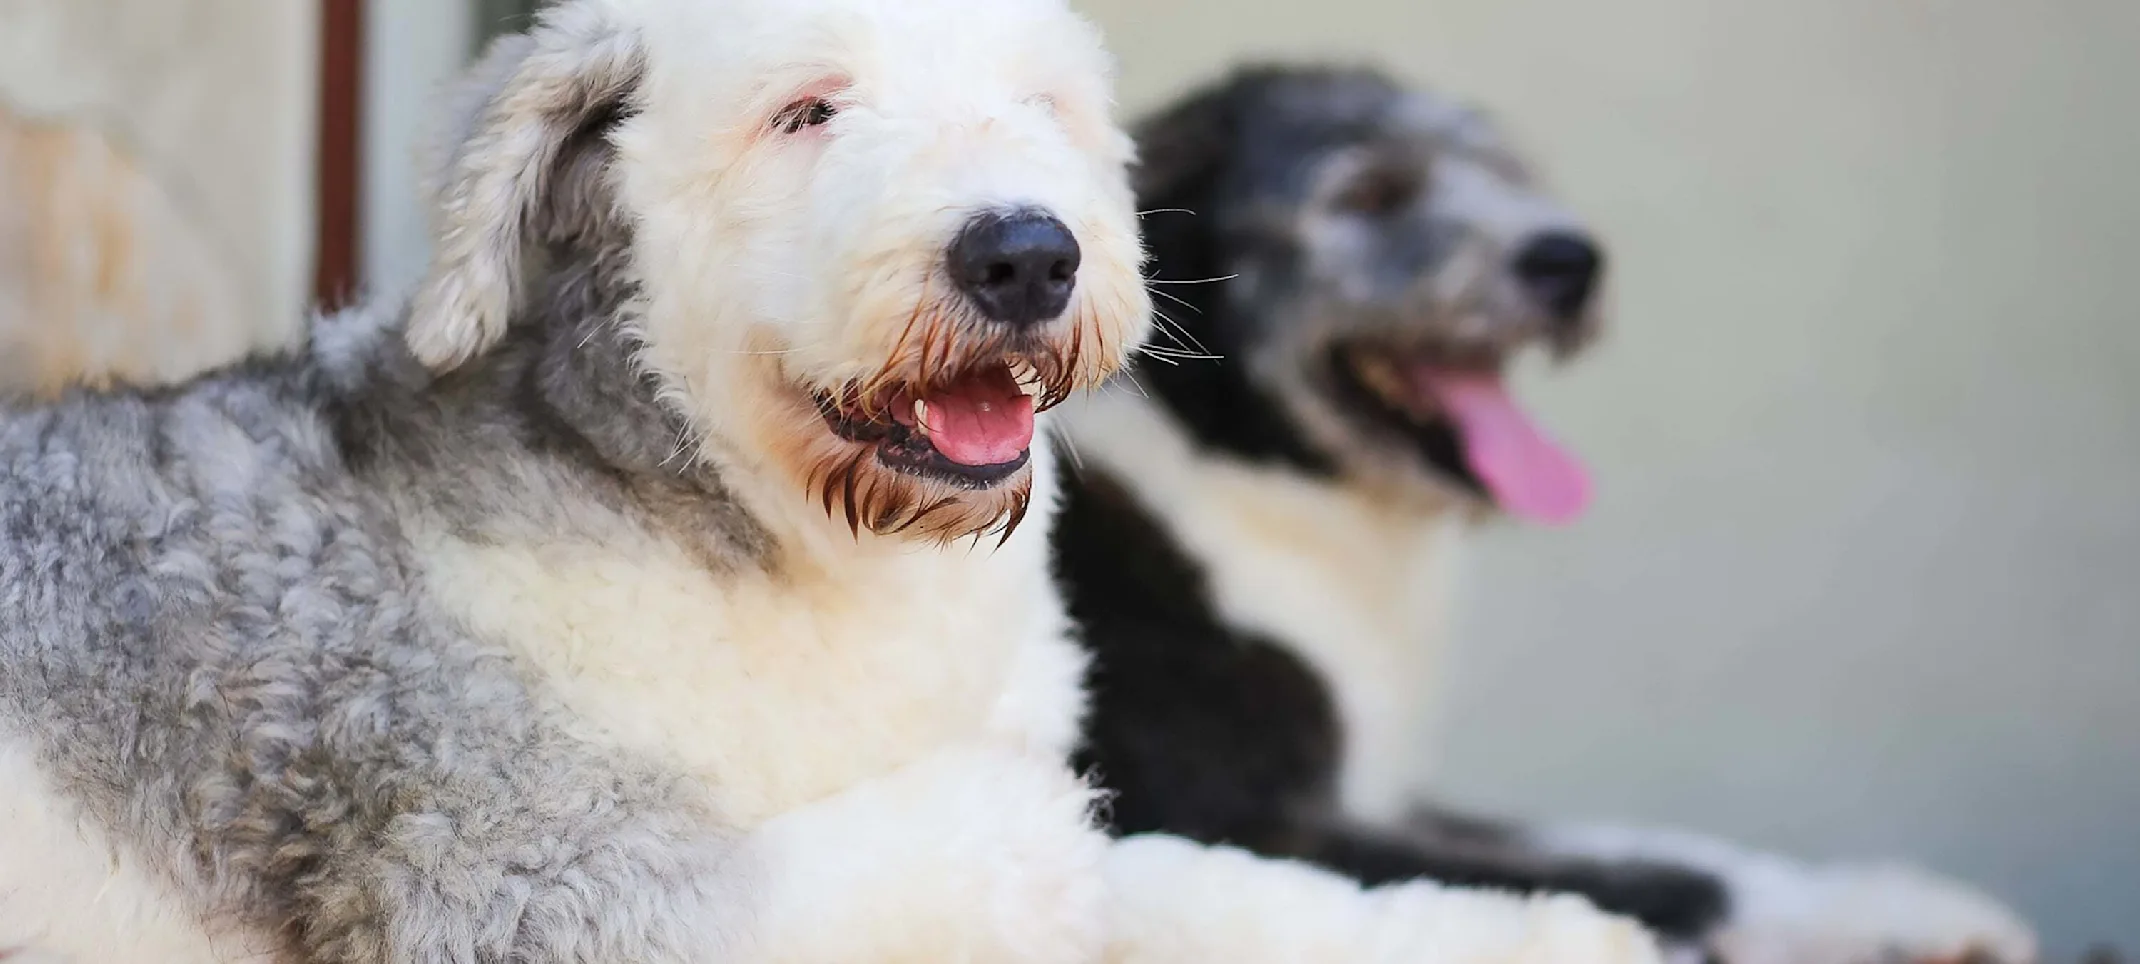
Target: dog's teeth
1384,378
1380,376
921,416
1027,377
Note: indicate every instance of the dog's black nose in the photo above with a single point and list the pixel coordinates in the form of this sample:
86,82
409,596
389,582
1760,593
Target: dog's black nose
1018,268
1560,270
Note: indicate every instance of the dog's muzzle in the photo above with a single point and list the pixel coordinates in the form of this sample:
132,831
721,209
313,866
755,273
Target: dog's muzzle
1018,268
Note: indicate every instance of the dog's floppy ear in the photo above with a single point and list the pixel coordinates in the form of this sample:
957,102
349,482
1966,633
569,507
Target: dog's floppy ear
1180,149
527,99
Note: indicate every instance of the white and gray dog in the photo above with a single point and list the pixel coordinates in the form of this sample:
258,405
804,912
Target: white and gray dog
613,601
1258,546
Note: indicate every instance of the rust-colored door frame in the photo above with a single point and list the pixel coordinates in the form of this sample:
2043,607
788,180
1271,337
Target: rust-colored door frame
338,251
339,272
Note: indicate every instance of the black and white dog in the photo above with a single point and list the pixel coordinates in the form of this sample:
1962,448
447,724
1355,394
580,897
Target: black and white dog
1257,545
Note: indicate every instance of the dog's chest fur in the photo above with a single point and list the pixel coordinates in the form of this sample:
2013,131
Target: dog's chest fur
1354,588
778,687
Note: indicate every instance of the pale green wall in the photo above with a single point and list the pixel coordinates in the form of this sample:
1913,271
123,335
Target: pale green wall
1865,572
504,16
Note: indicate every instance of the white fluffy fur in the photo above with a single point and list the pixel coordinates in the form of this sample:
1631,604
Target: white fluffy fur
782,688
1358,583
1180,902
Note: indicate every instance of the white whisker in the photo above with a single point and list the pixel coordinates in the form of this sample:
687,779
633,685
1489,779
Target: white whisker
1173,354
1176,330
1192,281
1179,300
1077,458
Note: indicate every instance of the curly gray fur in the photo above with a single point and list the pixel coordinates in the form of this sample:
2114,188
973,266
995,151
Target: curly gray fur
212,636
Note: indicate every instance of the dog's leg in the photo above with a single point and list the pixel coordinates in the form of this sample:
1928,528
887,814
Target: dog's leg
970,855
1178,902
1788,912
1682,904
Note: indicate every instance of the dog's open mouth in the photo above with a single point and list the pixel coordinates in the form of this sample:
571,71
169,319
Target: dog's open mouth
1456,411
973,430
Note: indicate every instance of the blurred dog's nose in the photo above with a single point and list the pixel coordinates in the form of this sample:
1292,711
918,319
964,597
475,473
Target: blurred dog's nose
1560,270
1018,268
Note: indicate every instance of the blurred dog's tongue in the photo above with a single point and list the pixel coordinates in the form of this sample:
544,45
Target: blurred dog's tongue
1528,475
981,419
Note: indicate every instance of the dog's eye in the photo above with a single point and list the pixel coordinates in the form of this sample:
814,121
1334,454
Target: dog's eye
1379,193
808,112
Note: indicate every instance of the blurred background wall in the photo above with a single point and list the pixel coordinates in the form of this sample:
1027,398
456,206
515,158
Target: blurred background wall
1864,575
156,191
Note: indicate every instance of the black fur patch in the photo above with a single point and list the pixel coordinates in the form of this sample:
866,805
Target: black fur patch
1198,730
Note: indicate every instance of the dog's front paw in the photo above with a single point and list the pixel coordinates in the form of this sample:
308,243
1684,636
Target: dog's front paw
972,855
1683,905
1870,915
1423,922
1180,903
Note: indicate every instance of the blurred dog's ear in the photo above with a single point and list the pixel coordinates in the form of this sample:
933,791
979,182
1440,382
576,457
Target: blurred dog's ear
1180,149
528,100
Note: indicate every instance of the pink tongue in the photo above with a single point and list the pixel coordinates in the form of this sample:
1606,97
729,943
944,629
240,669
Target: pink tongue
982,420
1529,475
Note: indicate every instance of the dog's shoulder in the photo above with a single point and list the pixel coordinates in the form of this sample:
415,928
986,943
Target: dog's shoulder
1109,545
209,523
1237,597
257,435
